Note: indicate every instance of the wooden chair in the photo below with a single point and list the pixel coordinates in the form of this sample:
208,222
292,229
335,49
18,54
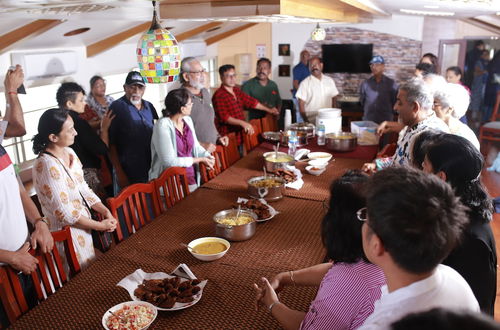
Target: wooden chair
491,130
231,151
219,166
134,207
171,187
388,150
49,276
269,123
250,141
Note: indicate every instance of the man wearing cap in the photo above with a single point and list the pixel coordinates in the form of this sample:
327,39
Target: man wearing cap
316,91
130,132
377,94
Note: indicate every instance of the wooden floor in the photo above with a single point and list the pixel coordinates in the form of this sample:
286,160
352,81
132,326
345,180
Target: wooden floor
492,182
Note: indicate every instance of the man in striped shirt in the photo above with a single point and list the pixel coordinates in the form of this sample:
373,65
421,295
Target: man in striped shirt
412,222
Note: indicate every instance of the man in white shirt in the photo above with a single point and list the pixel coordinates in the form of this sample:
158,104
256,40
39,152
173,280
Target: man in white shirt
412,222
316,91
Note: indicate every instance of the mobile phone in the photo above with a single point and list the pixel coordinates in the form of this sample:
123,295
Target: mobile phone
21,89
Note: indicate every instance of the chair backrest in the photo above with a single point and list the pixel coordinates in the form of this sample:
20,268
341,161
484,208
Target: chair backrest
171,187
219,165
269,123
50,275
495,115
134,207
250,141
231,151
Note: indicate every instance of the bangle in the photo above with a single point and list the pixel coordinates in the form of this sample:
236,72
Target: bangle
272,305
291,277
42,219
12,93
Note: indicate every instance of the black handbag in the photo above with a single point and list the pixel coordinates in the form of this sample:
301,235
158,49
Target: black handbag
102,240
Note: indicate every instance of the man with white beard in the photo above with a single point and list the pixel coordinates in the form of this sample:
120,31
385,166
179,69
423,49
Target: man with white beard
192,78
130,132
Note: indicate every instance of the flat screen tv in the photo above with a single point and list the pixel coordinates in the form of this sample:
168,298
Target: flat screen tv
347,58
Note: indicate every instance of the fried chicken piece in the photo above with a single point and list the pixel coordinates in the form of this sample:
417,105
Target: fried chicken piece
185,299
169,302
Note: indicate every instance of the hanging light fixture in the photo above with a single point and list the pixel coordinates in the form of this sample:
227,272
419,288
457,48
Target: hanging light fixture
158,54
318,33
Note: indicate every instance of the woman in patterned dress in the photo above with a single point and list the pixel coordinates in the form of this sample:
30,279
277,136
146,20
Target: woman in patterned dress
61,188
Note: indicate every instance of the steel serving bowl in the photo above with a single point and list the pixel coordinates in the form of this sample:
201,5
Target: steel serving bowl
307,128
342,141
302,137
235,233
272,165
272,137
268,193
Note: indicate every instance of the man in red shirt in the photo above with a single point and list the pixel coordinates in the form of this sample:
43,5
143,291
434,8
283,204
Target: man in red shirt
229,102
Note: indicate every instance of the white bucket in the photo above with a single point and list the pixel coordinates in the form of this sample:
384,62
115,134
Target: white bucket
331,118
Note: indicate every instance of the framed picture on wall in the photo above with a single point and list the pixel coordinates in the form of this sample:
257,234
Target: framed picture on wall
284,70
284,49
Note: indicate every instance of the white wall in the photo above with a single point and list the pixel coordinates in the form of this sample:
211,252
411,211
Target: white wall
406,26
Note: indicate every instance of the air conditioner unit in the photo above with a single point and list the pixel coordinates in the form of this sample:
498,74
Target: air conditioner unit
46,64
194,48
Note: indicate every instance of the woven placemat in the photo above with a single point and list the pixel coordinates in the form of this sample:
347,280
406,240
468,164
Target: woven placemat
291,240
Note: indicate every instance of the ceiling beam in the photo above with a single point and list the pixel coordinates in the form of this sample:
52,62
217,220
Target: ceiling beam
26,32
105,44
197,30
323,9
359,5
229,33
483,24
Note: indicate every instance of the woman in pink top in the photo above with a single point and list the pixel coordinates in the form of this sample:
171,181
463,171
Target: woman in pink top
349,286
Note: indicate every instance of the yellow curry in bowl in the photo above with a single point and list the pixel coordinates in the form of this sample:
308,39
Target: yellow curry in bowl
209,248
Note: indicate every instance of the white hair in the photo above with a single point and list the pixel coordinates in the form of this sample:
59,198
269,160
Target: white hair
454,96
419,92
435,82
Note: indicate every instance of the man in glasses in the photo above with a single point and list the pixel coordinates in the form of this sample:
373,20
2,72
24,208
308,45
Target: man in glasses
192,78
412,222
130,132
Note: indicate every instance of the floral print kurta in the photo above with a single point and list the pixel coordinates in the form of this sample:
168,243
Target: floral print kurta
61,201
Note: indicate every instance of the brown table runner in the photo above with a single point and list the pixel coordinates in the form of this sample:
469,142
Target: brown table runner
291,240
315,187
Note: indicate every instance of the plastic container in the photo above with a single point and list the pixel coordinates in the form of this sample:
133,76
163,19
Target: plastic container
292,143
321,135
366,131
331,118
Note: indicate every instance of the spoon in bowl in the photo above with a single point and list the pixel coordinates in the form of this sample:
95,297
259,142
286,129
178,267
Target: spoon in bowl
187,246
265,173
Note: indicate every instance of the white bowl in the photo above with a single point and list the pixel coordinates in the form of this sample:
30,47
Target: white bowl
323,156
208,257
318,163
129,303
314,170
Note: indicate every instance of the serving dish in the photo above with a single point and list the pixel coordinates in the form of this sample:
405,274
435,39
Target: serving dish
343,141
318,163
258,189
272,137
272,163
132,281
323,156
235,232
308,128
208,257
127,308
315,170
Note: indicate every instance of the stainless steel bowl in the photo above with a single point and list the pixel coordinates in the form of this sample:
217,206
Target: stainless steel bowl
343,141
302,138
269,194
307,128
272,166
272,137
234,233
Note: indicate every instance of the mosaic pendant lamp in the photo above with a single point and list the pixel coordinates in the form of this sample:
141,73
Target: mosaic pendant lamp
158,54
318,33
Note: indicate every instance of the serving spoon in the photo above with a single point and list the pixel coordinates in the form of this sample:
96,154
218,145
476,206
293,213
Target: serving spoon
121,318
187,246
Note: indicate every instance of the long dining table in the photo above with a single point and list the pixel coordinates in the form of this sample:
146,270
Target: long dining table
290,240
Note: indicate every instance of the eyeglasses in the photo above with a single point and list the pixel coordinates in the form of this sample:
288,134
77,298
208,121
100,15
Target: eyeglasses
198,72
189,104
362,214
